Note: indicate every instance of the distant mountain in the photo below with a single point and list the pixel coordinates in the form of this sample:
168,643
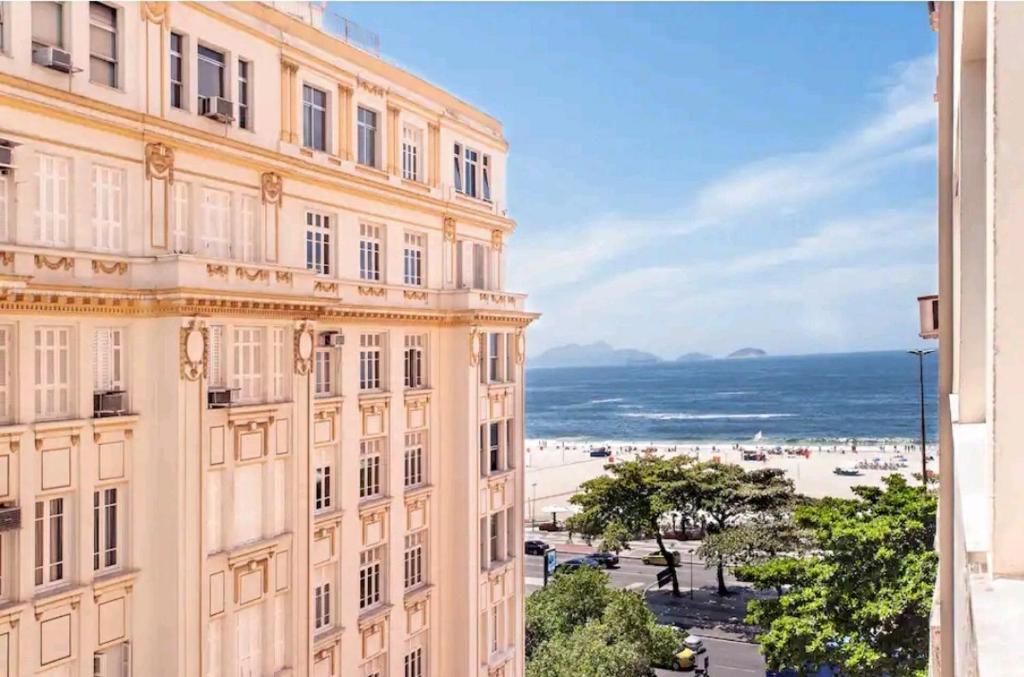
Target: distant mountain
598,354
694,357
746,352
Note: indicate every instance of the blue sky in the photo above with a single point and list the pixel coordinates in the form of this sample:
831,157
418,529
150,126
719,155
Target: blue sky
701,177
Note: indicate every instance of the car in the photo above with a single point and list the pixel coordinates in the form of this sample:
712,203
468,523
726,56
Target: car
694,644
605,559
685,660
657,558
536,547
575,563
600,453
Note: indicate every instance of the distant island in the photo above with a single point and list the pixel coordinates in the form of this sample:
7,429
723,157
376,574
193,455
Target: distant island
746,352
598,354
694,357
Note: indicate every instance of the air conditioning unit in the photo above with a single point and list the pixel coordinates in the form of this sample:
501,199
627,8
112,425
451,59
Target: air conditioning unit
219,398
109,403
216,108
332,339
52,57
10,518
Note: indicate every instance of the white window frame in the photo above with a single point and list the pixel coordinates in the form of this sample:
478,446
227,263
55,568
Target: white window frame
415,659
412,153
247,363
368,136
215,209
324,482
216,374
323,368
62,20
108,353
5,202
372,468
111,28
245,73
313,112
107,208
177,55
277,351
371,361
371,252
8,545
7,370
248,640
413,258
415,459
323,600
180,217
472,172
116,657
53,200
318,243
414,559
54,373
221,65
248,229
415,359
52,550
371,577
107,540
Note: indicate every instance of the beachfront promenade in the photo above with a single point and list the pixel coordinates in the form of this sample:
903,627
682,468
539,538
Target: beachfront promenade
555,469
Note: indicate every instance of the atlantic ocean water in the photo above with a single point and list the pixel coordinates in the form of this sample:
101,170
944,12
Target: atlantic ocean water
808,398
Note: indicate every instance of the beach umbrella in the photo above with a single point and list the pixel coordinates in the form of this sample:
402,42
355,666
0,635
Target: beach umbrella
554,510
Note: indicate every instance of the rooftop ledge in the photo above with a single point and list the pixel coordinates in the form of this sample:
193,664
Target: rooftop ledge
997,606
970,461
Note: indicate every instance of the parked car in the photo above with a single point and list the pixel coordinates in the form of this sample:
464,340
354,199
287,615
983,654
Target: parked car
549,526
577,563
686,660
600,452
605,559
657,558
694,644
536,547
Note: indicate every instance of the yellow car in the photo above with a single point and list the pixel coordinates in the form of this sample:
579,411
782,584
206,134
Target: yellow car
657,558
686,659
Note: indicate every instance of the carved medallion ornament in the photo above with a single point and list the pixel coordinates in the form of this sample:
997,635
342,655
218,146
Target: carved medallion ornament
304,349
156,12
271,187
474,346
194,350
520,346
159,162
449,228
497,240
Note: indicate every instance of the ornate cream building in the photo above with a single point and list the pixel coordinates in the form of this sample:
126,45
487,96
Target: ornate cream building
261,385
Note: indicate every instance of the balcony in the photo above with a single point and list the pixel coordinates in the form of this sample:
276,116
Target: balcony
928,307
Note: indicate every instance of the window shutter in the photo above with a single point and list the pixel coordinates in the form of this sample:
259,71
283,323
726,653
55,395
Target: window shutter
216,375
101,360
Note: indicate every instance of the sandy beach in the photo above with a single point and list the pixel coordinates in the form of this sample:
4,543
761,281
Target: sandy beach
555,468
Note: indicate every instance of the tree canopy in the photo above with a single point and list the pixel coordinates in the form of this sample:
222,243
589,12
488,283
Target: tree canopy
861,598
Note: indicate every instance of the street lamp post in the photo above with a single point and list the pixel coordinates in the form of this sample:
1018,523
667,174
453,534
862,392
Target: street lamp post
924,440
533,509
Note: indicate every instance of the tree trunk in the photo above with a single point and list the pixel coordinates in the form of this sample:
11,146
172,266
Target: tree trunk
722,590
671,564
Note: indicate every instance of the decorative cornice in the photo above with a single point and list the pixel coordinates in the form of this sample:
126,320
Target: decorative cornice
159,162
119,267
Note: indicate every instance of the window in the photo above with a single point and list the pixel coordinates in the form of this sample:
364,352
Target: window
314,118
51,541
472,172
510,534
5,191
108,360
210,66
415,544
494,530
47,24
107,207
114,661
243,94
249,636
371,468
52,199
214,647
494,446
369,252
367,137
324,380
247,228
318,243
322,599
278,360
215,368
105,509
53,372
180,217
247,509
495,357
248,367
370,583
177,76
412,153
414,358
216,218
414,459
3,24
323,494
102,44
370,361
413,258
7,365
375,667
414,663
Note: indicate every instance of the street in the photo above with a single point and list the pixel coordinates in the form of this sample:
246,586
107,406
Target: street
717,620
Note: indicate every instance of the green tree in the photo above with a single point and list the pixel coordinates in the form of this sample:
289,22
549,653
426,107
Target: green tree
614,538
722,495
861,598
634,494
579,626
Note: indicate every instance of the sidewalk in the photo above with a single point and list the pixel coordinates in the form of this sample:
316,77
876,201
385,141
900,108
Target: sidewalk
636,549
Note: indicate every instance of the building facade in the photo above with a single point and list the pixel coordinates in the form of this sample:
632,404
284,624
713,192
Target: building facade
978,318
261,385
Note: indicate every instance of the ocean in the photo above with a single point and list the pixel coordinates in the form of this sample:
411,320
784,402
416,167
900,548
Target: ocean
806,398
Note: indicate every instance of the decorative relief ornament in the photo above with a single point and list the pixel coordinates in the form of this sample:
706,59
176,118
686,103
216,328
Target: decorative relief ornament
156,12
372,88
159,162
194,350
449,228
55,262
119,267
304,349
271,187
520,346
474,346
497,240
